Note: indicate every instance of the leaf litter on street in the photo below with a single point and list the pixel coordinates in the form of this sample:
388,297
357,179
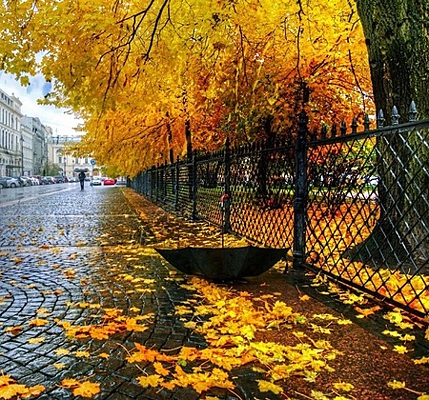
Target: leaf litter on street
297,347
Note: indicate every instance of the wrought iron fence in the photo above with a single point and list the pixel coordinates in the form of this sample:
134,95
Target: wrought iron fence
353,205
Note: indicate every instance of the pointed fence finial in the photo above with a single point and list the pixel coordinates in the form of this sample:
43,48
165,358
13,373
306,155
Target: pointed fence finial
354,125
380,119
366,122
412,114
395,116
343,128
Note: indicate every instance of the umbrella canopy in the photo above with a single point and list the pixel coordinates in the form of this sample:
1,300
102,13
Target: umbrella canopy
223,263
81,169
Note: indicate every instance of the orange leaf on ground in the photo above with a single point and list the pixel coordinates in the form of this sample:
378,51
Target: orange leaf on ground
87,389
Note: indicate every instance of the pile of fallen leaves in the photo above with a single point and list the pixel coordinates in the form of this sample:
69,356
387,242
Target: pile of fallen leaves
10,389
229,320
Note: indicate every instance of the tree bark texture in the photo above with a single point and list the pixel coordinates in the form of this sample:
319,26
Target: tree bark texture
397,38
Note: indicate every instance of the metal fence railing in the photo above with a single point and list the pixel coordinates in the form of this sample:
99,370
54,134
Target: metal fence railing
353,205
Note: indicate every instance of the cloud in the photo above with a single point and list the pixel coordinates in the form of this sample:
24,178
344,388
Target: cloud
58,119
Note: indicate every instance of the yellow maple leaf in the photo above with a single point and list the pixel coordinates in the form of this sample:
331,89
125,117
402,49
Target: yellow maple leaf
400,349
38,322
160,369
345,387
11,391
104,355
87,389
34,391
391,333
6,380
367,311
396,384
69,383
36,340
143,354
423,360
62,352
132,325
59,365
150,380
265,386
82,354
14,330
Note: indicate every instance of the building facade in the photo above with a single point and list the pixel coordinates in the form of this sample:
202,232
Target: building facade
28,147
59,155
11,140
39,133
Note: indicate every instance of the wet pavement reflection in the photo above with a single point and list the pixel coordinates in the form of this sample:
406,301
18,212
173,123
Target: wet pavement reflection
65,259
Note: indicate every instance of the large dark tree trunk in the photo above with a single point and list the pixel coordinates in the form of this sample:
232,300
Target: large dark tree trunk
396,33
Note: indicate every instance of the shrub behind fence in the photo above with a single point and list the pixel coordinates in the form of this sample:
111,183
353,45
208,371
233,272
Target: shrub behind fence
354,206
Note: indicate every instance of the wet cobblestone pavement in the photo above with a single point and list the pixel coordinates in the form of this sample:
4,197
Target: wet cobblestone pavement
56,255
70,258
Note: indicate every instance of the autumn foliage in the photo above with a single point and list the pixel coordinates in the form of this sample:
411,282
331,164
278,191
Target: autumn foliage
177,76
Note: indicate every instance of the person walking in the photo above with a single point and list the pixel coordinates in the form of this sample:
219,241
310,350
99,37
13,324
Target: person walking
82,177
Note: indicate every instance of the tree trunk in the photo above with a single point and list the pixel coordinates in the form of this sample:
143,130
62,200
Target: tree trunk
396,33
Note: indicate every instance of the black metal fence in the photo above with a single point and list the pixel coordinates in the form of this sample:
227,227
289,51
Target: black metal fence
352,205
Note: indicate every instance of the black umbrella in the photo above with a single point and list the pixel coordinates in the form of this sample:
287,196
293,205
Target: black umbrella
81,169
223,263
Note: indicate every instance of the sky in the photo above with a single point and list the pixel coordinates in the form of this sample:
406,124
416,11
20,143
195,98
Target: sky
61,123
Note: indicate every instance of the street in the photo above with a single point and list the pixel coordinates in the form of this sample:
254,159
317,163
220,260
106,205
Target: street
64,254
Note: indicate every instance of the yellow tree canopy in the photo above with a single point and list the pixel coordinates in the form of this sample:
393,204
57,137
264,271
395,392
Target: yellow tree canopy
139,72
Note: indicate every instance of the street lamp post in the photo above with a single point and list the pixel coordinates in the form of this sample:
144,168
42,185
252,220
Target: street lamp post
22,154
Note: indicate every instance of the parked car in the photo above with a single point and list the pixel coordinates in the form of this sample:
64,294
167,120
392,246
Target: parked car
9,182
96,181
72,179
108,181
35,181
59,179
48,180
25,181
121,181
3,182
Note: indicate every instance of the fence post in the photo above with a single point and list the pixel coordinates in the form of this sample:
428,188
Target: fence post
300,192
164,186
194,185
157,183
176,202
227,204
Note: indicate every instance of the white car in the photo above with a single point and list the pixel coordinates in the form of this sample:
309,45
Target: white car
96,181
34,181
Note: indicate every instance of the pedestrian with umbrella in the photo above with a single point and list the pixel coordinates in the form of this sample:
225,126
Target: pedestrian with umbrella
81,176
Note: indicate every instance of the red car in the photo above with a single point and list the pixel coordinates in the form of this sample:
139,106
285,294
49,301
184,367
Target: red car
109,181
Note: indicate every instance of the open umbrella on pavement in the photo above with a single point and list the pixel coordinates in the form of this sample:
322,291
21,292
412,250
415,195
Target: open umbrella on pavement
223,263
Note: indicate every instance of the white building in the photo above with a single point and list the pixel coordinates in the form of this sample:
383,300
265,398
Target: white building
39,133
11,146
27,143
60,156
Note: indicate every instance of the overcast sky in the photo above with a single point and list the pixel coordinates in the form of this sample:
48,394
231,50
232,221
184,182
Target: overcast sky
61,123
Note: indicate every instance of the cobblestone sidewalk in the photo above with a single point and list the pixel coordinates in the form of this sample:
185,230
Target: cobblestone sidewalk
69,258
